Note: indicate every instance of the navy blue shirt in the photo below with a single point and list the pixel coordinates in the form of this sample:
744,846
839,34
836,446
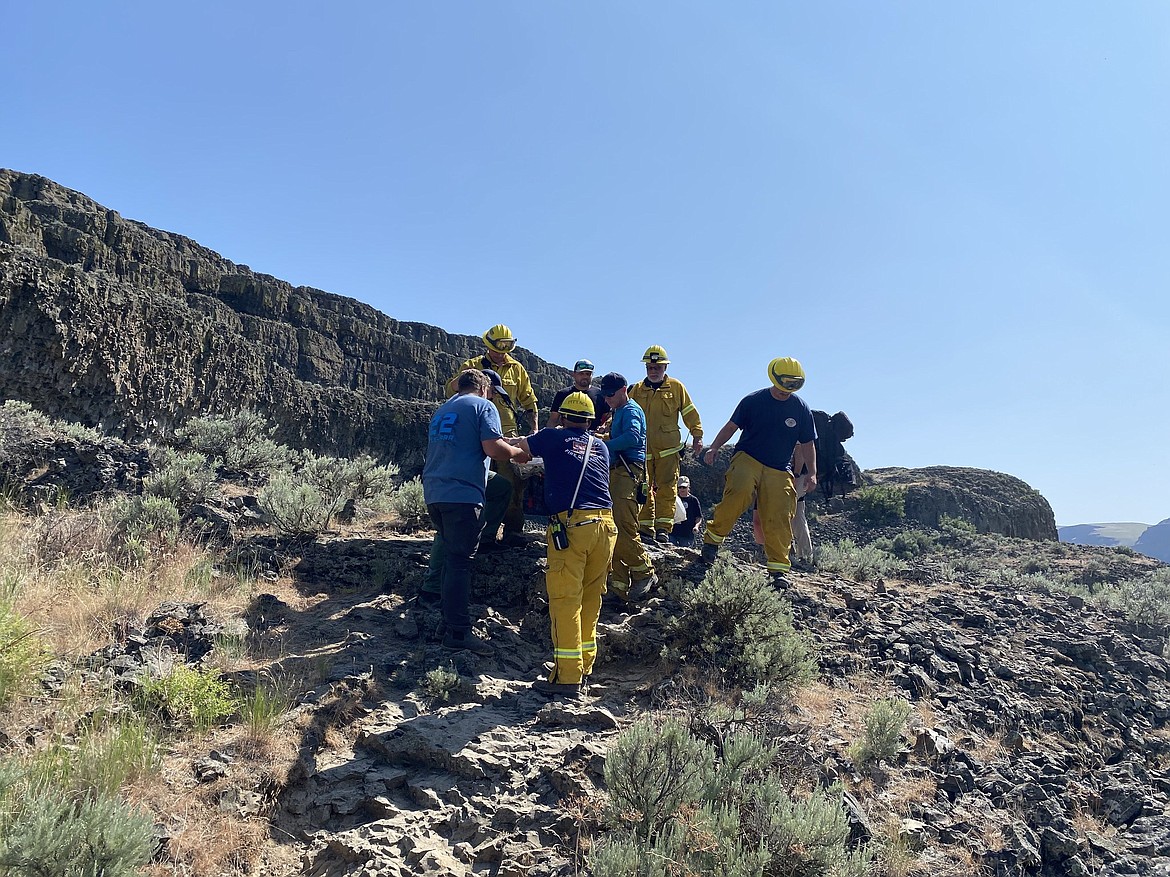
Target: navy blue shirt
771,428
600,408
563,451
456,467
627,434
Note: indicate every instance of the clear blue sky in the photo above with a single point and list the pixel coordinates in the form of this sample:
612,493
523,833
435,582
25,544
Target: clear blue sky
954,214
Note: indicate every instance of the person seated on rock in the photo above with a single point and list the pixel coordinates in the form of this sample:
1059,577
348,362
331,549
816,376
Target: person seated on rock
684,532
463,433
581,536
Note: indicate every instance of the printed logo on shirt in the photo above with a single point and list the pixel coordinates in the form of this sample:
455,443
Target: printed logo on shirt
790,422
443,428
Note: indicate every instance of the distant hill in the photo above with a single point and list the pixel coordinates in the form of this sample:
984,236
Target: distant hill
1155,542
1102,534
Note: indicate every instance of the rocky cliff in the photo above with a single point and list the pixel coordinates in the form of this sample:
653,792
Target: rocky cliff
1155,541
111,323
992,501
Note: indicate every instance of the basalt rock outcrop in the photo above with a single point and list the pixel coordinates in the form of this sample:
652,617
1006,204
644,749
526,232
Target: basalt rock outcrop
992,501
108,322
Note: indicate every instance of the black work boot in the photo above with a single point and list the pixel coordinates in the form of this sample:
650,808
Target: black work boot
710,552
467,640
559,690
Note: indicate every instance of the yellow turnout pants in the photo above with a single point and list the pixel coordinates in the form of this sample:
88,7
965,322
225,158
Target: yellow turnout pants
658,511
630,560
575,582
777,504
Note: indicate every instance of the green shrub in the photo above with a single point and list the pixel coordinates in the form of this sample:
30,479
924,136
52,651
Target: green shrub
653,771
440,684
410,507
304,502
908,544
737,626
188,697
881,504
45,832
22,654
956,526
678,809
183,478
859,563
1146,600
884,722
144,519
241,443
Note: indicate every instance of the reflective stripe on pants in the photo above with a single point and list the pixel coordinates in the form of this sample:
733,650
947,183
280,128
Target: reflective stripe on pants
575,582
658,511
777,504
630,560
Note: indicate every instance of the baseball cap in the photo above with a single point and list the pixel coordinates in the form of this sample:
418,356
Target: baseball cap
497,384
583,365
684,481
611,383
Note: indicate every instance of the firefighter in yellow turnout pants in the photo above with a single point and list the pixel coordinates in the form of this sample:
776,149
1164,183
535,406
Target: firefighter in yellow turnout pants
664,400
518,396
778,433
581,536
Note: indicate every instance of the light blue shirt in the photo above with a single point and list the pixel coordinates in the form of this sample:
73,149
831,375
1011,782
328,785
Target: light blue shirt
456,467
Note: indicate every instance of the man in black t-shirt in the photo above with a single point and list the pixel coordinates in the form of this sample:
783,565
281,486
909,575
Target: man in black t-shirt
582,383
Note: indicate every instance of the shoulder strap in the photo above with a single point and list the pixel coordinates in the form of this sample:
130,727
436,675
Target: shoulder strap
581,477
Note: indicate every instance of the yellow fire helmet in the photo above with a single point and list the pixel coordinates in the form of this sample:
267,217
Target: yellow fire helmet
656,353
786,374
499,338
577,404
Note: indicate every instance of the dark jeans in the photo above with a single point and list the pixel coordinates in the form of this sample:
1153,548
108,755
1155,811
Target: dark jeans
495,502
459,525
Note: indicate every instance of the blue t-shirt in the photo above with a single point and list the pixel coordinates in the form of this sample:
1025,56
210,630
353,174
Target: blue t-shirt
627,434
563,451
456,467
771,428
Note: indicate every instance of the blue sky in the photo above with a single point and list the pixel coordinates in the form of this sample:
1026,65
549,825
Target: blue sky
954,214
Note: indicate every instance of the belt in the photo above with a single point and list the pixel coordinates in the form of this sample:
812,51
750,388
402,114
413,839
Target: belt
625,465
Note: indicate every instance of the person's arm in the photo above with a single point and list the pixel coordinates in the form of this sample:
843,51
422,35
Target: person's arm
690,416
499,449
526,398
554,419
805,456
725,434
632,435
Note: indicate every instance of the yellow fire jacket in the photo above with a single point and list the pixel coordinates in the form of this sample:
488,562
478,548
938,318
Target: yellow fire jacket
663,408
515,380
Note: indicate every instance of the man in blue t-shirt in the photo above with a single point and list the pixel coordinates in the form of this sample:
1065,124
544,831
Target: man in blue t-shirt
633,572
464,432
581,535
778,433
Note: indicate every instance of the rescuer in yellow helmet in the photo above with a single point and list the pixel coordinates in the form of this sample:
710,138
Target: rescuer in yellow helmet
778,436
581,536
664,400
518,396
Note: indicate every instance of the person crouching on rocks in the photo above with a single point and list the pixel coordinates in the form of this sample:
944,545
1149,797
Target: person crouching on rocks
581,537
464,432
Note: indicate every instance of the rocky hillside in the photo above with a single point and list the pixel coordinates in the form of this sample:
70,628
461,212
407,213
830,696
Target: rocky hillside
111,323
1155,541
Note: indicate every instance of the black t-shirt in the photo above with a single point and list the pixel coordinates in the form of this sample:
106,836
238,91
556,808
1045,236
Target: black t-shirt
600,409
694,512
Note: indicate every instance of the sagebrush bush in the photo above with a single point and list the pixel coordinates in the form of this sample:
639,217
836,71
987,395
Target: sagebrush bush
306,500
241,444
188,696
148,518
653,771
884,721
677,809
184,478
410,506
737,626
908,544
860,563
881,504
1146,600
22,654
440,684
956,526
45,832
